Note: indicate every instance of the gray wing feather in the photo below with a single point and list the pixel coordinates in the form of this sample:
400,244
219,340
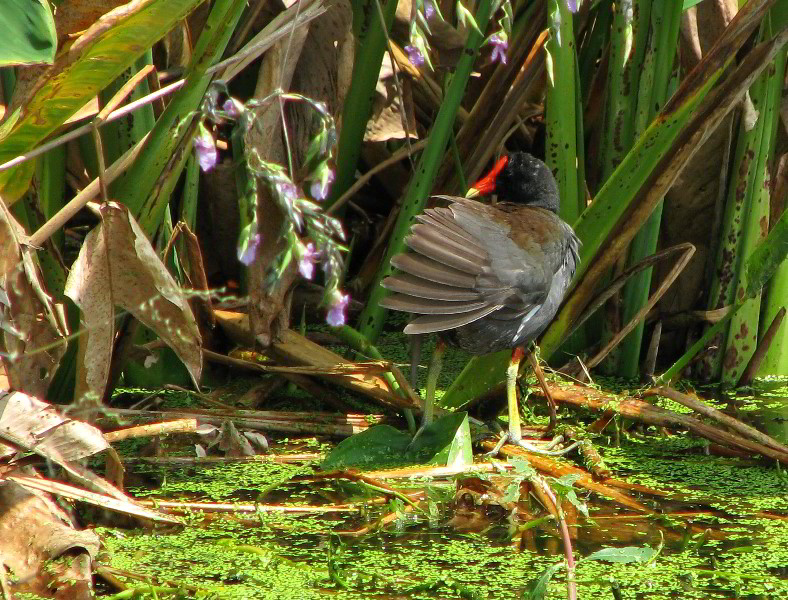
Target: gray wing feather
406,283
463,266
435,323
423,267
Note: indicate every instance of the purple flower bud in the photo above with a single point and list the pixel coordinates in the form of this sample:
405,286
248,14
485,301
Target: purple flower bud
250,244
287,191
499,45
414,55
320,187
306,263
232,108
205,147
429,9
572,6
336,314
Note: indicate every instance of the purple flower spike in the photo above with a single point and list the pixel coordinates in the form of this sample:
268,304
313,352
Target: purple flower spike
207,155
572,6
414,55
429,9
306,265
336,315
248,254
499,45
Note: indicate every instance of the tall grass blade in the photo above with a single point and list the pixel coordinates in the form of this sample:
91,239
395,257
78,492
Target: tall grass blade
168,147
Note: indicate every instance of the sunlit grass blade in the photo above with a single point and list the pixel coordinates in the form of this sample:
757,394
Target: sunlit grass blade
561,110
118,136
761,265
655,88
745,223
371,36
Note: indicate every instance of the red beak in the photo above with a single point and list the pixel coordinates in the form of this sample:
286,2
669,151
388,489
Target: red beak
486,185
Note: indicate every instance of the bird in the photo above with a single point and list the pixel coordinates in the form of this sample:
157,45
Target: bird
488,277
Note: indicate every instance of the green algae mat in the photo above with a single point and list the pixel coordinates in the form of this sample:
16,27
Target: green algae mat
722,533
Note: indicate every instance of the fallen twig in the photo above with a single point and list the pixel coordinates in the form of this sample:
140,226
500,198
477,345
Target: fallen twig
556,468
265,420
644,412
213,460
177,426
167,506
704,409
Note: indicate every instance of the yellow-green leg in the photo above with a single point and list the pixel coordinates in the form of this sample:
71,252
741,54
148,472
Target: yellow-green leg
515,431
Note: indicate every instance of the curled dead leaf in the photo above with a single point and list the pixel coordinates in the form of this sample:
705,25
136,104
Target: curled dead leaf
117,266
33,326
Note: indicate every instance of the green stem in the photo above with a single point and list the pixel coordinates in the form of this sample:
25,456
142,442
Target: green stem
371,34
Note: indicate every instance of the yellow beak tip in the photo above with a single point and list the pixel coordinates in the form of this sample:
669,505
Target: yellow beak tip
472,193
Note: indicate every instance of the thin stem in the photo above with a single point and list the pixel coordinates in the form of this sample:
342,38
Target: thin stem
432,381
571,585
101,165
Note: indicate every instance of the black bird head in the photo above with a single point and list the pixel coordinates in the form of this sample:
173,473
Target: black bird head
520,177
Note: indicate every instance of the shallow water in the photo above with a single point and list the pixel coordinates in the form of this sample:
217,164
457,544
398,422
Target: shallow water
721,528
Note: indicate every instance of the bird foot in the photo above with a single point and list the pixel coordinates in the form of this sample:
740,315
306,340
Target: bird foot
503,438
547,450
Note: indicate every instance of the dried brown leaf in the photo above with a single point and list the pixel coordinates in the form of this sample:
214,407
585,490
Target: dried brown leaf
117,266
392,110
121,503
33,424
34,531
33,326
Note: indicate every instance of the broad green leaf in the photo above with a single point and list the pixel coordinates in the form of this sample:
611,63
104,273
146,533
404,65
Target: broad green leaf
92,62
379,446
512,492
629,554
446,441
563,486
29,35
522,467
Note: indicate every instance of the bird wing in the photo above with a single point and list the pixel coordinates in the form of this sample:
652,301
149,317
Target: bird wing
467,261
